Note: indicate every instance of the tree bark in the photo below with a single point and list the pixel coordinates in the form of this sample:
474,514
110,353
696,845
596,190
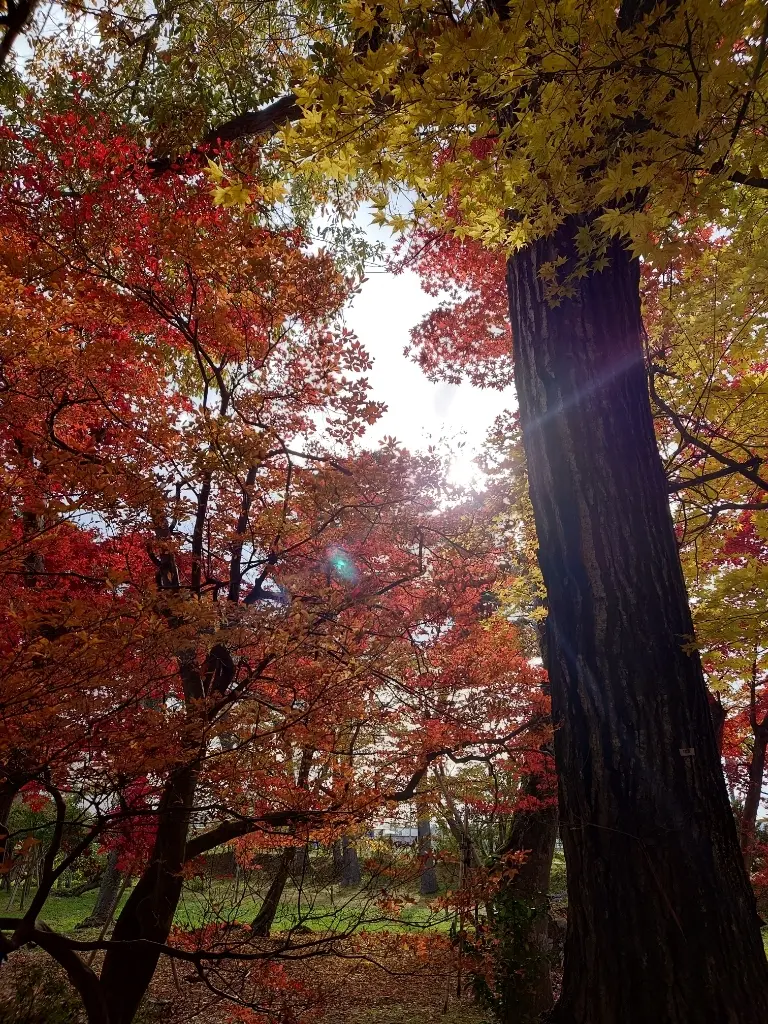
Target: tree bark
300,864
262,923
428,880
717,711
754,793
526,993
148,911
662,923
337,852
8,793
109,887
534,832
350,874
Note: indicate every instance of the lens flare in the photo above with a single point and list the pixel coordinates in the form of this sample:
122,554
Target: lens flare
342,565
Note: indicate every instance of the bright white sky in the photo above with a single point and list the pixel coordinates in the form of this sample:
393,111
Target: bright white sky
419,412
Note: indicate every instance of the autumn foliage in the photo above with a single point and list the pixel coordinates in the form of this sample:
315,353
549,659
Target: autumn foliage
220,618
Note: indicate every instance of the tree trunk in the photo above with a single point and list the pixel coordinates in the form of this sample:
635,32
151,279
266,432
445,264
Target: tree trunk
300,864
262,923
717,711
428,881
8,791
106,899
350,874
291,858
525,994
662,924
148,911
337,852
754,793
527,989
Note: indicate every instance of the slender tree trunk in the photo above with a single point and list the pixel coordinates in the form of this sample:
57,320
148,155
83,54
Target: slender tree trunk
527,990
290,859
428,881
262,923
455,825
148,911
106,898
662,924
337,852
530,984
7,794
350,874
754,793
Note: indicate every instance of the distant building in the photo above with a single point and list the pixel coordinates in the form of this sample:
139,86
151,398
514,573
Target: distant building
398,835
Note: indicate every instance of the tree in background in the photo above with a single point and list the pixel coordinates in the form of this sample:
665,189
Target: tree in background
201,581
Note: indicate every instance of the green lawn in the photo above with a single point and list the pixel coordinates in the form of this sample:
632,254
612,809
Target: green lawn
221,901
60,912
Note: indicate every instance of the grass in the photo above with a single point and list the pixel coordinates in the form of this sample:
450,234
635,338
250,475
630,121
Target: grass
355,991
62,913
320,910
375,1001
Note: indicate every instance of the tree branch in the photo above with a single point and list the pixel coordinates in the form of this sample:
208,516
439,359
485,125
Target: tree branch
266,121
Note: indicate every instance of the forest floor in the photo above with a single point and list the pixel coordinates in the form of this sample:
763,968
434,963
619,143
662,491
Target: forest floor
399,970
382,990
396,971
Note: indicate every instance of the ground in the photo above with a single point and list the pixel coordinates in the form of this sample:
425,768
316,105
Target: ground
355,992
385,977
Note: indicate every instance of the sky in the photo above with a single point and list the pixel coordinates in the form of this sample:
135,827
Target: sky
419,413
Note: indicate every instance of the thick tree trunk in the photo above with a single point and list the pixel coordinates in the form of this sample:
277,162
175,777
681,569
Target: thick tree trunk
300,864
754,793
662,924
428,881
148,911
350,873
109,887
262,923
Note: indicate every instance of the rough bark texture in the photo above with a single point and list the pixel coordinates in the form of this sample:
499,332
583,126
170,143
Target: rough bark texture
754,792
109,887
662,924
428,880
148,911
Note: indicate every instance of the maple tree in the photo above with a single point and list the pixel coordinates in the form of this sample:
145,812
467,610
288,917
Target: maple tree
707,371
219,617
